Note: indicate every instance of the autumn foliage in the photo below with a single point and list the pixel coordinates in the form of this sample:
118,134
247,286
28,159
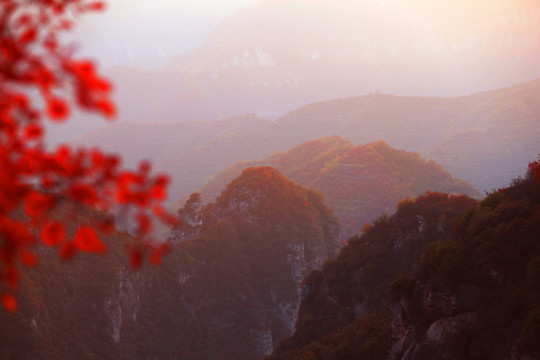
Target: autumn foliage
41,80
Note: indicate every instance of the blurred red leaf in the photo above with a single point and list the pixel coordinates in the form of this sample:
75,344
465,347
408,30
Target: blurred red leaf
57,109
68,251
53,234
37,203
9,302
87,240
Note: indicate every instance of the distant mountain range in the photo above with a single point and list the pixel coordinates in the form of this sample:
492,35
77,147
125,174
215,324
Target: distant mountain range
485,138
357,182
278,55
155,142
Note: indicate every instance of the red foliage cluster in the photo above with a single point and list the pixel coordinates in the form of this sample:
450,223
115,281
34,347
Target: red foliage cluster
534,170
39,78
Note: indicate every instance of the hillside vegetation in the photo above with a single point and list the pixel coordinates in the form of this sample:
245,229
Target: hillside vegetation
230,288
357,182
443,278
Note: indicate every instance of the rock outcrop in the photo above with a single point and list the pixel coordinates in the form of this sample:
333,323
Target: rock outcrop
442,279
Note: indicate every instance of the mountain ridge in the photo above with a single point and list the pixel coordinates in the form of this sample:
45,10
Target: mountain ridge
443,278
500,141
357,181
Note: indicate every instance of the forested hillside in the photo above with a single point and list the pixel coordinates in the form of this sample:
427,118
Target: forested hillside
239,265
443,278
230,288
357,182
66,308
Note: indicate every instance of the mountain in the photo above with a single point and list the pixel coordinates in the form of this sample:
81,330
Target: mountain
143,96
236,283
160,96
443,278
357,182
232,291
484,138
137,141
278,55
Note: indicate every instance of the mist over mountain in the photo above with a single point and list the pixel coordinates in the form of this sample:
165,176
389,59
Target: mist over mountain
138,141
485,138
143,96
278,55
275,56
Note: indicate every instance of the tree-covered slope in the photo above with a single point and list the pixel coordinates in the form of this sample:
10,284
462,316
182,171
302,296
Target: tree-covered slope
357,182
231,291
242,265
442,278
69,309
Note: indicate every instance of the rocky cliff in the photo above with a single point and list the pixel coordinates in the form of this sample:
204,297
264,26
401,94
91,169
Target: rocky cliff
240,267
230,289
443,278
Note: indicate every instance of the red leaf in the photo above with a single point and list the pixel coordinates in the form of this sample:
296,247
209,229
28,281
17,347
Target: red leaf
32,132
96,6
53,234
28,36
63,154
9,302
164,216
107,108
68,251
87,240
97,158
45,79
144,223
57,109
84,69
84,193
12,277
37,203
29,259
159,193
156,257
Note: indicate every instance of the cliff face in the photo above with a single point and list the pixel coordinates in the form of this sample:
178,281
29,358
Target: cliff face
230,289
477,296
440,279
240,274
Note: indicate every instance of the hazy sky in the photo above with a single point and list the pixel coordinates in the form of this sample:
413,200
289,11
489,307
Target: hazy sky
141,32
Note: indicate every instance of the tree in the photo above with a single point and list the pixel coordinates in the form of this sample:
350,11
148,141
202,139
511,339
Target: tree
191,218
41,80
